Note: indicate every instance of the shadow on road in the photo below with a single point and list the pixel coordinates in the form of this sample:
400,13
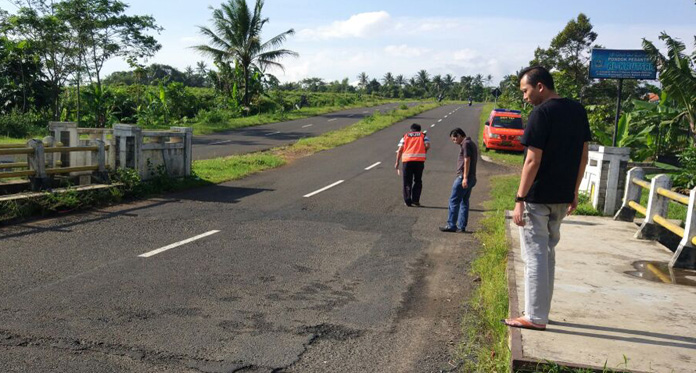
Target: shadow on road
29,228
219,193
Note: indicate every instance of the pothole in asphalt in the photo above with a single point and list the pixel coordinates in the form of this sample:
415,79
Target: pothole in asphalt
329,331
660,272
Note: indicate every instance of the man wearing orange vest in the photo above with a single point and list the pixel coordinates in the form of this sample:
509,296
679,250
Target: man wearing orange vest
412,149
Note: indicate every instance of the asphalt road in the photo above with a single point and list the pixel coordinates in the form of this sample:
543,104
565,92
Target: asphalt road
257,138
347,279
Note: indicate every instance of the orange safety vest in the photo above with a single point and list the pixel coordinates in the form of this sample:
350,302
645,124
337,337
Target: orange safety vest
414,147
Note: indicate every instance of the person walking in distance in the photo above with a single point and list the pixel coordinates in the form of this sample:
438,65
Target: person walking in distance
556,140
412,150
463,183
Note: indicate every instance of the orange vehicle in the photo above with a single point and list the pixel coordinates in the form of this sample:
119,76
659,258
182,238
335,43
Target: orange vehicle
504,130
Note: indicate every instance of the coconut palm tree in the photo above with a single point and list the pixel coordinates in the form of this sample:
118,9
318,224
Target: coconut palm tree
363,80
422,79
235,38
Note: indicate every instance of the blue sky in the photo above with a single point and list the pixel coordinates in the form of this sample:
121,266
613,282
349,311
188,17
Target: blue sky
338,39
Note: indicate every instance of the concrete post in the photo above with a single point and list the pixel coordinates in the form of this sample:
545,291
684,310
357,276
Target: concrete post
657,205
101,175
632,192
685,256
128,140
66,133
37,162
603,177
188,147
51,158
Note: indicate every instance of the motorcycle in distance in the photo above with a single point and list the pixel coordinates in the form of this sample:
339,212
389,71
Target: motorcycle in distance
470,101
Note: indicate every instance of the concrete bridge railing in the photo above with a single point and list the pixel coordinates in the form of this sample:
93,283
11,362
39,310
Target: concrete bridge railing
135,148
656,224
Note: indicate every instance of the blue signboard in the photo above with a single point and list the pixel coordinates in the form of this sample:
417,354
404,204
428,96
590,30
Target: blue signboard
621,64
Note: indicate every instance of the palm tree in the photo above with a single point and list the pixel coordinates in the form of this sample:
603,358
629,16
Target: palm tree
422,79
236,39
363,80
678,77
388,79
400,81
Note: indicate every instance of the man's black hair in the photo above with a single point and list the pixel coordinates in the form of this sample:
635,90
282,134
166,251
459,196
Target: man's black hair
457,131
538,74
415,127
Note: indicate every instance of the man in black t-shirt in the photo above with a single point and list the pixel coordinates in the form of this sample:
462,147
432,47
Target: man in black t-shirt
556,140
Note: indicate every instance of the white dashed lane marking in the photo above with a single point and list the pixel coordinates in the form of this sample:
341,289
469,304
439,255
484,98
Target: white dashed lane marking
177,244
373,166
323,189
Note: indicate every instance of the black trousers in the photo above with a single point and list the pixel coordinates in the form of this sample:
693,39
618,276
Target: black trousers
413,181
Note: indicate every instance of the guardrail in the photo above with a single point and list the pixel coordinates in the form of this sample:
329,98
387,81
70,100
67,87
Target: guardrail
41,163
656,223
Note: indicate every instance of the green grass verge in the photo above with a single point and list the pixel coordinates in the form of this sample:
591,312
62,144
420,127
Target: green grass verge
500,156
485,349
235,167
10,140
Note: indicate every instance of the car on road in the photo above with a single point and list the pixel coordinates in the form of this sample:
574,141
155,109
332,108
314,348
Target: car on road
503,130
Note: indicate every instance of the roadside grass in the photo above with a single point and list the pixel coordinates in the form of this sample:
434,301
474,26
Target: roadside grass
500,156
485,349
205,172
218,170
11,140
675,210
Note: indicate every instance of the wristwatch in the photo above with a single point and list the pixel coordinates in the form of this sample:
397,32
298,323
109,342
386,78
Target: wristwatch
520,199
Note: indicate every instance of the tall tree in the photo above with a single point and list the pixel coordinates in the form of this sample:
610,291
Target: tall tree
235,38
569,53
38,21
363,80
103,31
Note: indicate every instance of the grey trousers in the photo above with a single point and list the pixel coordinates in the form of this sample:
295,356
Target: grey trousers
538,239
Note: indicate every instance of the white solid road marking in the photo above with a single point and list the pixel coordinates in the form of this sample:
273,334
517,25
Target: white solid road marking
184,242
273,133
331,120
220,142
323,189
309,125
373,166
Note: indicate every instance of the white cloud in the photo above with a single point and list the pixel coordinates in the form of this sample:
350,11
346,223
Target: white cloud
465,54
357,26
404,50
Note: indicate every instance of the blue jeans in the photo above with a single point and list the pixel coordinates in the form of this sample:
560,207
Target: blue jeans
459,204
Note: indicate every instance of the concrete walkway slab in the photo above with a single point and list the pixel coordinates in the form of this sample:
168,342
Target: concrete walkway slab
600,315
